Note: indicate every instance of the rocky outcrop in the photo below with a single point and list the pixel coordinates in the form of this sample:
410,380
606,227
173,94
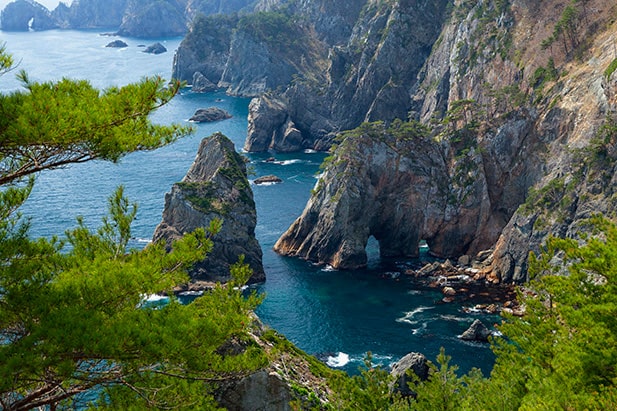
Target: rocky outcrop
415,363
262,390
117,44
215,187
210,114
90,14
156,48
270,127
477,331
401,186
270,179
201,84
23,15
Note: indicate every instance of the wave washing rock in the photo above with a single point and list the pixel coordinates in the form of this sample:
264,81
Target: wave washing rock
210,114
215,187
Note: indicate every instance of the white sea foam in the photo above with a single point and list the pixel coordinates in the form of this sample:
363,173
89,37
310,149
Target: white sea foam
155,297
268,183
144,240
328,268
310,151
409,315
288,162
340,360
450,317
420,329
191,293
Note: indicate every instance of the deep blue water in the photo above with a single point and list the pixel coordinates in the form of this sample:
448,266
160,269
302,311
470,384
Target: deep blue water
324,312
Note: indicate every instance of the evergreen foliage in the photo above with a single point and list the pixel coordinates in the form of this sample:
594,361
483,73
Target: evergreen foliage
562,355
73,317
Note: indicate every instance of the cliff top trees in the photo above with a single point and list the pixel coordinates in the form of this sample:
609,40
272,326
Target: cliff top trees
73,322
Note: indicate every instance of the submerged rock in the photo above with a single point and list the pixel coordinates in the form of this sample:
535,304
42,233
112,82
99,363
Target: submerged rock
210,114
215,187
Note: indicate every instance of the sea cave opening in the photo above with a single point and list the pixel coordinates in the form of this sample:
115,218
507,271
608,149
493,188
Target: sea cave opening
373,256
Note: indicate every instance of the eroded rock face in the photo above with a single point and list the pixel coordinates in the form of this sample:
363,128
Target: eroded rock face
153,19
22,15
215,187
414,362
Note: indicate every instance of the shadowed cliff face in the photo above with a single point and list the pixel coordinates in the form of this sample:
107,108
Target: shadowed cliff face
215,187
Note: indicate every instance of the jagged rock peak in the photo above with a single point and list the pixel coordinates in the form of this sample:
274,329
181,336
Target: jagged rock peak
215,187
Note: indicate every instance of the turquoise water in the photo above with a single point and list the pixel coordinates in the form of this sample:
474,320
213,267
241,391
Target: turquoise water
338,316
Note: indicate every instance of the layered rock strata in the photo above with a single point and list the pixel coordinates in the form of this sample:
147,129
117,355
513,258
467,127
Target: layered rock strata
215,187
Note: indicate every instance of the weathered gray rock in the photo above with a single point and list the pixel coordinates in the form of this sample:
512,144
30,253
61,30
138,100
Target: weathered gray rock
118,44
205,48
201,84
271,128
153,19
413,362
271,179
262,390
22,15
477,331
215,187
399,190
156,48
210,114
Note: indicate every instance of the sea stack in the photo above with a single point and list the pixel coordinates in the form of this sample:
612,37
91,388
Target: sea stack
215,187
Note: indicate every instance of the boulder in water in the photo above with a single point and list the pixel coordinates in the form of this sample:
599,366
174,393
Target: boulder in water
271,179
156,48
117,44
476,332
201,84
210,114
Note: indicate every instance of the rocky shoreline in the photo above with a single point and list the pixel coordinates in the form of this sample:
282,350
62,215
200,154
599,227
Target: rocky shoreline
470,279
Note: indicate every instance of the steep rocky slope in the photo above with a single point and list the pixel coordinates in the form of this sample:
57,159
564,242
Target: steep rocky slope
520,146
215,188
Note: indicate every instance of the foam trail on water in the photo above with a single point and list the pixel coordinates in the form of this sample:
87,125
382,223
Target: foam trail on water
409,315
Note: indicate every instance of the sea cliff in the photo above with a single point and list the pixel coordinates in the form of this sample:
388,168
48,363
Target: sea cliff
517,102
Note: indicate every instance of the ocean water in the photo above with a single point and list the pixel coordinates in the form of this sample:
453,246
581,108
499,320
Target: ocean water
338,316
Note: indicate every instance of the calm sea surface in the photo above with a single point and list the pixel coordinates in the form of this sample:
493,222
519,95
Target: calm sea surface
338,316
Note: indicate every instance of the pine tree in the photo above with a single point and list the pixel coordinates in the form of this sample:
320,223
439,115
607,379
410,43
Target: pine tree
74,327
